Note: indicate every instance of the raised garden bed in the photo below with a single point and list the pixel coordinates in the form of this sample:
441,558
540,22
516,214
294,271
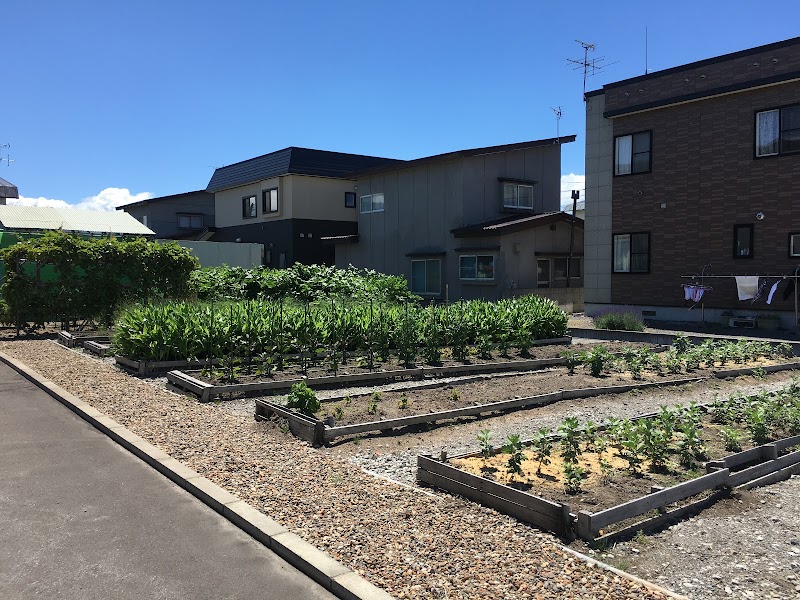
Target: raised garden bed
620,494
72,339
148,367
98,348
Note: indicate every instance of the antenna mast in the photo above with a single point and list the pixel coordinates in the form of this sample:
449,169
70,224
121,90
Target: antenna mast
558,113
589,67
7,158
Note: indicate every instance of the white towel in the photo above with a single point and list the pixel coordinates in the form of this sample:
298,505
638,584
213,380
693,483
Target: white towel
747,286
772,291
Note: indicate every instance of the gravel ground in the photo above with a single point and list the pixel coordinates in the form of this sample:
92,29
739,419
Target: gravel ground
701,558
413,544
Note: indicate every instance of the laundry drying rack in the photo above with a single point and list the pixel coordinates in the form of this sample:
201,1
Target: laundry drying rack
703,277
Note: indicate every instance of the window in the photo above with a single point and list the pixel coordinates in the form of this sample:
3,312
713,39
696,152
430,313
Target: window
632,253
632,154
350,199
426,276
794,244
474,267
282,260
560,268
269,201
249,207
190,221
517,196
778,131
743,241
372,203
543,272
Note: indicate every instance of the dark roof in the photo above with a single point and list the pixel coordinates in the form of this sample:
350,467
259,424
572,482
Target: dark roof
8,189
513,223
696,64
564,139
292,160
161,198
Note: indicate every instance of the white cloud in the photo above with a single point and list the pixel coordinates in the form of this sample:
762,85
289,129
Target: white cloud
572,182
107,199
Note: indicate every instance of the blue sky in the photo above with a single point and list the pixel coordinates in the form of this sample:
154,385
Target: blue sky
107,102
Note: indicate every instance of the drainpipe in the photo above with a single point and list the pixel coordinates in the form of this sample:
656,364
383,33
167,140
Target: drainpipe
575,195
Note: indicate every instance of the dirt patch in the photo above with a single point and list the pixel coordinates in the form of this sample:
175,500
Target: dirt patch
381,406
358,365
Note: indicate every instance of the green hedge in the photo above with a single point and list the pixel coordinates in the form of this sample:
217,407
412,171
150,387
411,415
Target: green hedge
60,277
305,283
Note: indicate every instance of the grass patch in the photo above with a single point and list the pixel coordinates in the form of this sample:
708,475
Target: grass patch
624,321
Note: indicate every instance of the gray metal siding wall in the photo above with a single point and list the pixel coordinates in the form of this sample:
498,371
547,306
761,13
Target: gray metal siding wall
162,215
423,204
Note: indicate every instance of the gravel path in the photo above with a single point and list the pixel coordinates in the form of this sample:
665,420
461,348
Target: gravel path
415,545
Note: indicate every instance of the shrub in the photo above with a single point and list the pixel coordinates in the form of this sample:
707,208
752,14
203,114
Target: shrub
626,321
303,399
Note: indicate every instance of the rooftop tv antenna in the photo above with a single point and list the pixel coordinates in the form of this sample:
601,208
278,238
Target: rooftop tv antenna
558,113
7,158
589,66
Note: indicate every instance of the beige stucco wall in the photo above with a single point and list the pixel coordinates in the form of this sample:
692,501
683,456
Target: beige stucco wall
299,197
228,203
321,198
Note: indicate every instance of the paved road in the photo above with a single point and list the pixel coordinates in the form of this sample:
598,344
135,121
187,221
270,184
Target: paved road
81,518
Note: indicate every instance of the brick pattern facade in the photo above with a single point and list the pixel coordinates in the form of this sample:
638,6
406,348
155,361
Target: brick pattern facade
705,172
773,60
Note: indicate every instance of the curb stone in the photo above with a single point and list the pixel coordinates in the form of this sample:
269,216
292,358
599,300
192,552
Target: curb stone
315,563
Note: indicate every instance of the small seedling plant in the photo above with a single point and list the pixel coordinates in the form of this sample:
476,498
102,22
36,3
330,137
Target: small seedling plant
303,398
513,447
573,477
570,440
485,442
542,447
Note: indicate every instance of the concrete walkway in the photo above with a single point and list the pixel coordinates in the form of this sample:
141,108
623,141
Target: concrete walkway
81,518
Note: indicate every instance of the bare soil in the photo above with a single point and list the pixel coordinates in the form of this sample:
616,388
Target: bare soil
598,491
358,365
396,404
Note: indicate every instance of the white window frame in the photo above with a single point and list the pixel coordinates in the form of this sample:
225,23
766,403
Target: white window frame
516,187
369,201
477,276
425,261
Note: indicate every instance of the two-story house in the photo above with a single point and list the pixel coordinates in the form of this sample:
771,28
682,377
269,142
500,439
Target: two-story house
288,200
690,172
478,223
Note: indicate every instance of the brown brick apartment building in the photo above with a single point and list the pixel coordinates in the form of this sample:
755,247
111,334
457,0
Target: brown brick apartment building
692,170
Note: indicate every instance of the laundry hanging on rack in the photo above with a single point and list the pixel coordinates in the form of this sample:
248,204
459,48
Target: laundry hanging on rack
760,292
790,288
693,292
747,286
772,290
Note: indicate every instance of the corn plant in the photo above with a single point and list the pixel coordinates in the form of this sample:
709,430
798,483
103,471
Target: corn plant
484,345
513,447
